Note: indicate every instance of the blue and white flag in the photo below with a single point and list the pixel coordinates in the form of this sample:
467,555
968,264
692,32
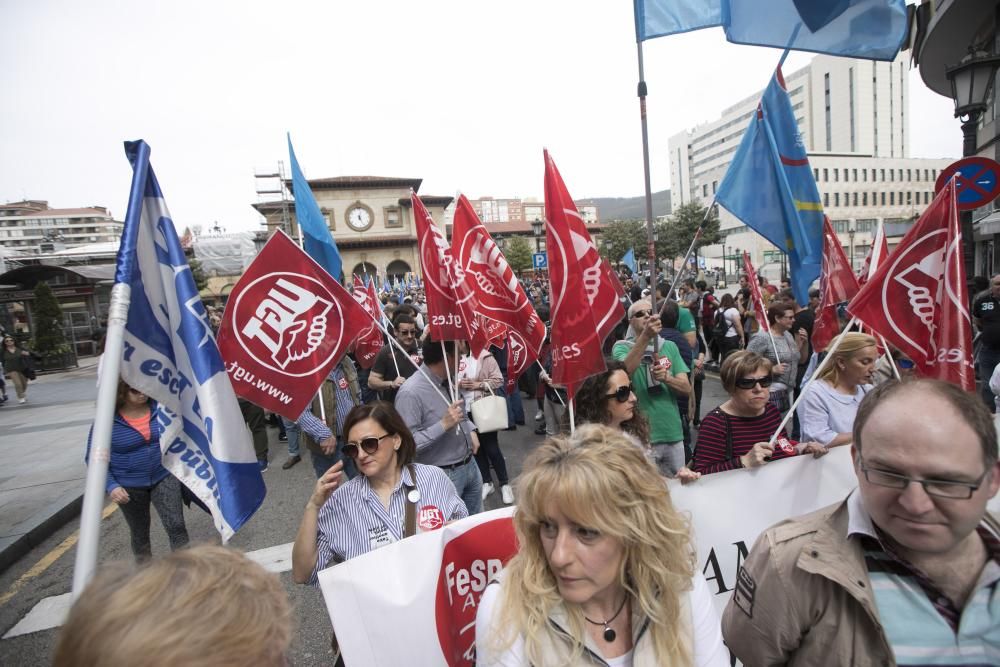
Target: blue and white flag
317,240
873,29
171,356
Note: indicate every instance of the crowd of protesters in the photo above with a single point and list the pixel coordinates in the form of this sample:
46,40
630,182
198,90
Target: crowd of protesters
605,570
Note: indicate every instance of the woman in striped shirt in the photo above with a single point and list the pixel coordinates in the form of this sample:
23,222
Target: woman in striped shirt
737,434
344,519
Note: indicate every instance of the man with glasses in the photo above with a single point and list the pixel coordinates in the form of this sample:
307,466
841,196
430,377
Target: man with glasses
659,375
906,570
391,367
986,316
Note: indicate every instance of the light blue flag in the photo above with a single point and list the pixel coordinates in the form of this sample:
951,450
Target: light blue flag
171,356
770,186
629,260
316,238
872,29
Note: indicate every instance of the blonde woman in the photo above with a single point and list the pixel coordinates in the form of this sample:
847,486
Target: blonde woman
605,573
207,606
831,401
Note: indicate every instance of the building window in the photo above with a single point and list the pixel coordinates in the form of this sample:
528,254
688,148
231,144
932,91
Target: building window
836,199
854,198
907,174
909,197
816,173
854,175
883,175
826,175
836,174
826,199
864,199
829,134
900,175
704,190
850,84
892,199
715,185
392,216
892,175
883,198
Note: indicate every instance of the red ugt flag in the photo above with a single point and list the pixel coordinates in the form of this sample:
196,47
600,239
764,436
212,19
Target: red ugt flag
451,304
284,329
760,313
585,305
370,340
917,299
503,305
837,284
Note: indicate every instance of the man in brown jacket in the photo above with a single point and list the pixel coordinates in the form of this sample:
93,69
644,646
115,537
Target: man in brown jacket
906,570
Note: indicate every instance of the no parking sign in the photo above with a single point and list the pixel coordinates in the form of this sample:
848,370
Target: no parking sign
978,181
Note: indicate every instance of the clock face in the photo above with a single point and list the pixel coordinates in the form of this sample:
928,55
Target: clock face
359,218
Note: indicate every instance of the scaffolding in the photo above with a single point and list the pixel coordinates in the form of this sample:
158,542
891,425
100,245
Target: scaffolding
271,189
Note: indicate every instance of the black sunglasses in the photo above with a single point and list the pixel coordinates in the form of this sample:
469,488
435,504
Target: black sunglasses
369,444
748,383
621,394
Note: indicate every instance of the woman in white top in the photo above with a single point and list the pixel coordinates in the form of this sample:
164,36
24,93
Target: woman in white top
830,402
605,573
477,377
729,316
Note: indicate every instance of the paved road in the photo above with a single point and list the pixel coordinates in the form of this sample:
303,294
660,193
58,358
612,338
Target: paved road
46,571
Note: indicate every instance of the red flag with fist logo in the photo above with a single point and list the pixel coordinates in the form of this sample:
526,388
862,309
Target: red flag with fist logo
451,303
585,303
284,328
837,284
504,308
918,299
370,341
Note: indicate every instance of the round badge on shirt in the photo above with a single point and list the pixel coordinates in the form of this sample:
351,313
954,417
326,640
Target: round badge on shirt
342,383
430,518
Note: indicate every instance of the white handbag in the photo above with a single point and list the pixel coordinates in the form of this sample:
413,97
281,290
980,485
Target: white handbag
489,413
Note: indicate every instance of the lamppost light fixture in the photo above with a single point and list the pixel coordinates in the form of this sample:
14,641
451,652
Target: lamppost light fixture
972,82
536,227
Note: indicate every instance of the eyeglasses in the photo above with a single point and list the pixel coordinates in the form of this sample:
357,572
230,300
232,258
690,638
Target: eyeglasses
622,394
934,487
642,313
748,383
407,332
369,444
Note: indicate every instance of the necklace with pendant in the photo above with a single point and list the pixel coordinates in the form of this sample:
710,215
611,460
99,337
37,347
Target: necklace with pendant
609,633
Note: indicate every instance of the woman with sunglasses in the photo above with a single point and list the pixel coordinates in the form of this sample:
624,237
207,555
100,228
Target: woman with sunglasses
737,433
136,476
344,519
830,401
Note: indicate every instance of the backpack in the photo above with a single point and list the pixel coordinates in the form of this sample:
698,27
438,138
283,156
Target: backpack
722,325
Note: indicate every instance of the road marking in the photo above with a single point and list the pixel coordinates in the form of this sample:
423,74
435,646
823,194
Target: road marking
51,612
48,559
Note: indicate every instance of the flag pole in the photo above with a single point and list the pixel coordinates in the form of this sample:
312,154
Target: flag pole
100,443
650,245
546,372
812,378
697,235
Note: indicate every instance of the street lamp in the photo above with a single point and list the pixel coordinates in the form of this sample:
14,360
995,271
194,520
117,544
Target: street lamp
971,86
536,229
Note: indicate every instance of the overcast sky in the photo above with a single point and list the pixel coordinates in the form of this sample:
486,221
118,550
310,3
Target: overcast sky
463,94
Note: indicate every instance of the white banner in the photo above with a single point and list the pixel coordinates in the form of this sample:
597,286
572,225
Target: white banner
414,602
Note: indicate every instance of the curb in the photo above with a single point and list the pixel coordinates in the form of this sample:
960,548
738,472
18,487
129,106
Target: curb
40,532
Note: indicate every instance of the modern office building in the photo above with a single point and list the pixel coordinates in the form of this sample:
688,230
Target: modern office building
852,117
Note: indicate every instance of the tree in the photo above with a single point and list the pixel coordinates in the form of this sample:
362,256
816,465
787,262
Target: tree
518,253
682,225
625,234
198,274
50,339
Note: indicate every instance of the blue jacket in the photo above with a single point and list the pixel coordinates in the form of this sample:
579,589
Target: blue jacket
134,463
